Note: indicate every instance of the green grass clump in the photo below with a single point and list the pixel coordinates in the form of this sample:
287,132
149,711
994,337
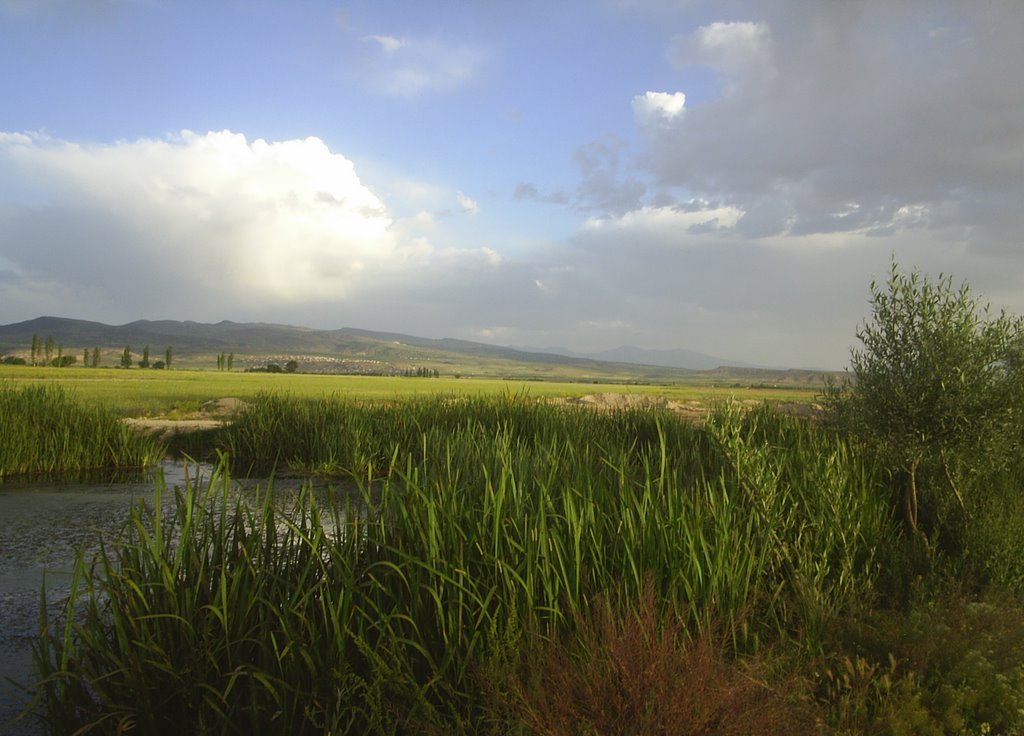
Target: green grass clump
486,532
47,432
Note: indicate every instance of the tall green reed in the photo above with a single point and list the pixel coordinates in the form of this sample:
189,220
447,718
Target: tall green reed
485,527
47,432
228,614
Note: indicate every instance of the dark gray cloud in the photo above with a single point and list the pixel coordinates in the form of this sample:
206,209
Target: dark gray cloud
605,185
836,116
526,192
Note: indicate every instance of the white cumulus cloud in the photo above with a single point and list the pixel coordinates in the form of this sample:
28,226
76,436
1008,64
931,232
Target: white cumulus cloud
467,204
652,107
213,215
389,44
730,47
666,222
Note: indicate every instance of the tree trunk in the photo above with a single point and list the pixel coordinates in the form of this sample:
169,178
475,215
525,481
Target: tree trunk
910,500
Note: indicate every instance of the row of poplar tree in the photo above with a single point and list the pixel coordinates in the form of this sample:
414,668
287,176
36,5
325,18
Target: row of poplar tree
51,352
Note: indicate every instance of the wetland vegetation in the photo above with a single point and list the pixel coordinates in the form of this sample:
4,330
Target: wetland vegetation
490,535
503,564
47,432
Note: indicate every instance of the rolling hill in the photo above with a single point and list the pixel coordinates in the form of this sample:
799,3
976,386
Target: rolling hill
350,350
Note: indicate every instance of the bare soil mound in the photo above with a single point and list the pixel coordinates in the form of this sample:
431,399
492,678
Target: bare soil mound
212,414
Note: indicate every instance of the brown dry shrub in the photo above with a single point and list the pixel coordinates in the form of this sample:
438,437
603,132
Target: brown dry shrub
628,673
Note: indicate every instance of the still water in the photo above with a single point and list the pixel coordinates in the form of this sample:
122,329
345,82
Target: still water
41,526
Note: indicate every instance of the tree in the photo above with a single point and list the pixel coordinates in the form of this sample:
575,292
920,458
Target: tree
291,366
168,354
935,381
230,361
48,349
95,357
35,348
126,357
144,363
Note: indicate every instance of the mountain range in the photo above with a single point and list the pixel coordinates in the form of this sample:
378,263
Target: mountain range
677,358
195,344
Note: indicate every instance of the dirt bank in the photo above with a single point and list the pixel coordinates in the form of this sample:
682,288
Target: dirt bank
211,414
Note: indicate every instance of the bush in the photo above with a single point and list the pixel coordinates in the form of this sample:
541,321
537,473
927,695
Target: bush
626,671
935,388
949,666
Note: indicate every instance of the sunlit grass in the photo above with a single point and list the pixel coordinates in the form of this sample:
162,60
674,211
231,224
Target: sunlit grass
48,431
136,392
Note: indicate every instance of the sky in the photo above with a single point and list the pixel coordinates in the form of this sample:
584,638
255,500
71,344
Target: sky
726,177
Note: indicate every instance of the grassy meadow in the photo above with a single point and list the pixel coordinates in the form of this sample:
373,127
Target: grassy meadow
136,392
496,564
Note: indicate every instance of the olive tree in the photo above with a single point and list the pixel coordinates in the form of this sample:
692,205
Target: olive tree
936,380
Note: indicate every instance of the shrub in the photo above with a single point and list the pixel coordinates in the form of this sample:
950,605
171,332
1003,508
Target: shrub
948,666
627,670
936,385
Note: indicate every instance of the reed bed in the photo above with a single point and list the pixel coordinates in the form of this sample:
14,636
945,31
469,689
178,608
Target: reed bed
486,531
46,432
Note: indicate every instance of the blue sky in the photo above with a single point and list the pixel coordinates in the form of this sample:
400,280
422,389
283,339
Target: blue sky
725,177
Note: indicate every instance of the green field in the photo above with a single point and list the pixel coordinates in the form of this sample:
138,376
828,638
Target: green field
136,392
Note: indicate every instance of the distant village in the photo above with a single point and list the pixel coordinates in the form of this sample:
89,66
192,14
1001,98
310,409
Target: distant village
332,365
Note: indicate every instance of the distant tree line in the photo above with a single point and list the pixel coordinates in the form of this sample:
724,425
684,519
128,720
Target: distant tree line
144,361
421,373
49,352
290,367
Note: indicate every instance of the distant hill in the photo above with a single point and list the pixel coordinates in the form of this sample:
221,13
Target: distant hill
350,350
686,359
